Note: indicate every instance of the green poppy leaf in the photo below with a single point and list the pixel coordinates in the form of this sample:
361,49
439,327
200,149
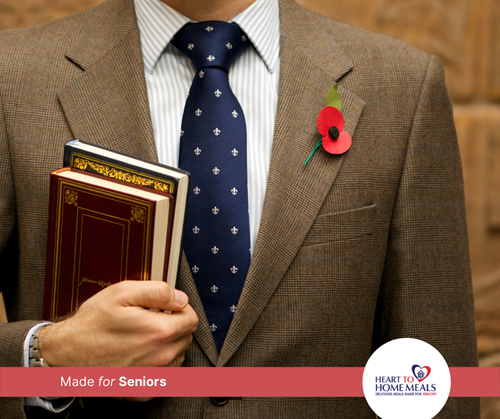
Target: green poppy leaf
333,98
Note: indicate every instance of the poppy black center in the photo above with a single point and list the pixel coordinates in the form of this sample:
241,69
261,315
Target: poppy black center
333,132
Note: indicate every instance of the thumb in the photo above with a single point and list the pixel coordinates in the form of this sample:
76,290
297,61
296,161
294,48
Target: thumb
150,294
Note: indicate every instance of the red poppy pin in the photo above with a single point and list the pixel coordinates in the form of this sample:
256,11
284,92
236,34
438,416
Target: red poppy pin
331,126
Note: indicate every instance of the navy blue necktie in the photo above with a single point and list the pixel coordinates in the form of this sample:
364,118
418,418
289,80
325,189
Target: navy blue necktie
213,149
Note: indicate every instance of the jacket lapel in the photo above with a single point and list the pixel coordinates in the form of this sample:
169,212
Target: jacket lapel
294,193
108,103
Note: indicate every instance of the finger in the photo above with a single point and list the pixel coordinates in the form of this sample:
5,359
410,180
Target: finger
166,328
163,355
150,294
178,361
180,323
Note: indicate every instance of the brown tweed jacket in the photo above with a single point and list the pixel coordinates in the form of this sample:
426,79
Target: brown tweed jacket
353,250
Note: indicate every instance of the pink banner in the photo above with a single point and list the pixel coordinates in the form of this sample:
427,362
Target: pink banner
212,382
475,382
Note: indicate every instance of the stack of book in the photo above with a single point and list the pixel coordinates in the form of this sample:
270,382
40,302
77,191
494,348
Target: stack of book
112,217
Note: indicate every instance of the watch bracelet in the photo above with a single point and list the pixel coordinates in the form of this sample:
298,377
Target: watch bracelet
34,354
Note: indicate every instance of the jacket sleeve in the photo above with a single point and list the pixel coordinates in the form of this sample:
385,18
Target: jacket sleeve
12,335
426,290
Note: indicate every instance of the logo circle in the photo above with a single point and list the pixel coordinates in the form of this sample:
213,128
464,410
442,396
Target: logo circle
406,378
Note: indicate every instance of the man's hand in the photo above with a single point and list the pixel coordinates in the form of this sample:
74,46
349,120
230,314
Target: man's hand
114,328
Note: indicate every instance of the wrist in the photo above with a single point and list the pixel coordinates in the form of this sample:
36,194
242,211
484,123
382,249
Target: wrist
50,346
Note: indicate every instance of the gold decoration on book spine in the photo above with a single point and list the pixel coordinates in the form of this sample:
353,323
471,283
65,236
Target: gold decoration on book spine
138,214
70,197
112,173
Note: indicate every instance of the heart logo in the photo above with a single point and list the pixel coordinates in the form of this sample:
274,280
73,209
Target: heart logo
421,373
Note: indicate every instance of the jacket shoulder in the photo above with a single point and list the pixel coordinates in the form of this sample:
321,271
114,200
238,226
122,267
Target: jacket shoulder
45,35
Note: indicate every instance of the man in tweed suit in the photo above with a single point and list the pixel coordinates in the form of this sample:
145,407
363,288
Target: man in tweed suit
353,250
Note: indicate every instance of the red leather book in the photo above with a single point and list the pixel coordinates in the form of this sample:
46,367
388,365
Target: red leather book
130,169
102,231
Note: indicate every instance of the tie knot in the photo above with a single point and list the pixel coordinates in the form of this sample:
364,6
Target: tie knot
211,44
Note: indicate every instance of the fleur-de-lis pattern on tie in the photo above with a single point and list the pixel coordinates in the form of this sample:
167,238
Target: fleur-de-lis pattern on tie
214,127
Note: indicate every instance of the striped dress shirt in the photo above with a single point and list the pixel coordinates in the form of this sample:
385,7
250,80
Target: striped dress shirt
253,78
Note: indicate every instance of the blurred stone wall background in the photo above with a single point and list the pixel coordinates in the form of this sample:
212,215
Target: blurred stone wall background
466,35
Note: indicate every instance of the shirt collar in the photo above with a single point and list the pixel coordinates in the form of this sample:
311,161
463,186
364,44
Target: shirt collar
158,23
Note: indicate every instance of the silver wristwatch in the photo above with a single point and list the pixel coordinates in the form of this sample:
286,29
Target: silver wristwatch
34,358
